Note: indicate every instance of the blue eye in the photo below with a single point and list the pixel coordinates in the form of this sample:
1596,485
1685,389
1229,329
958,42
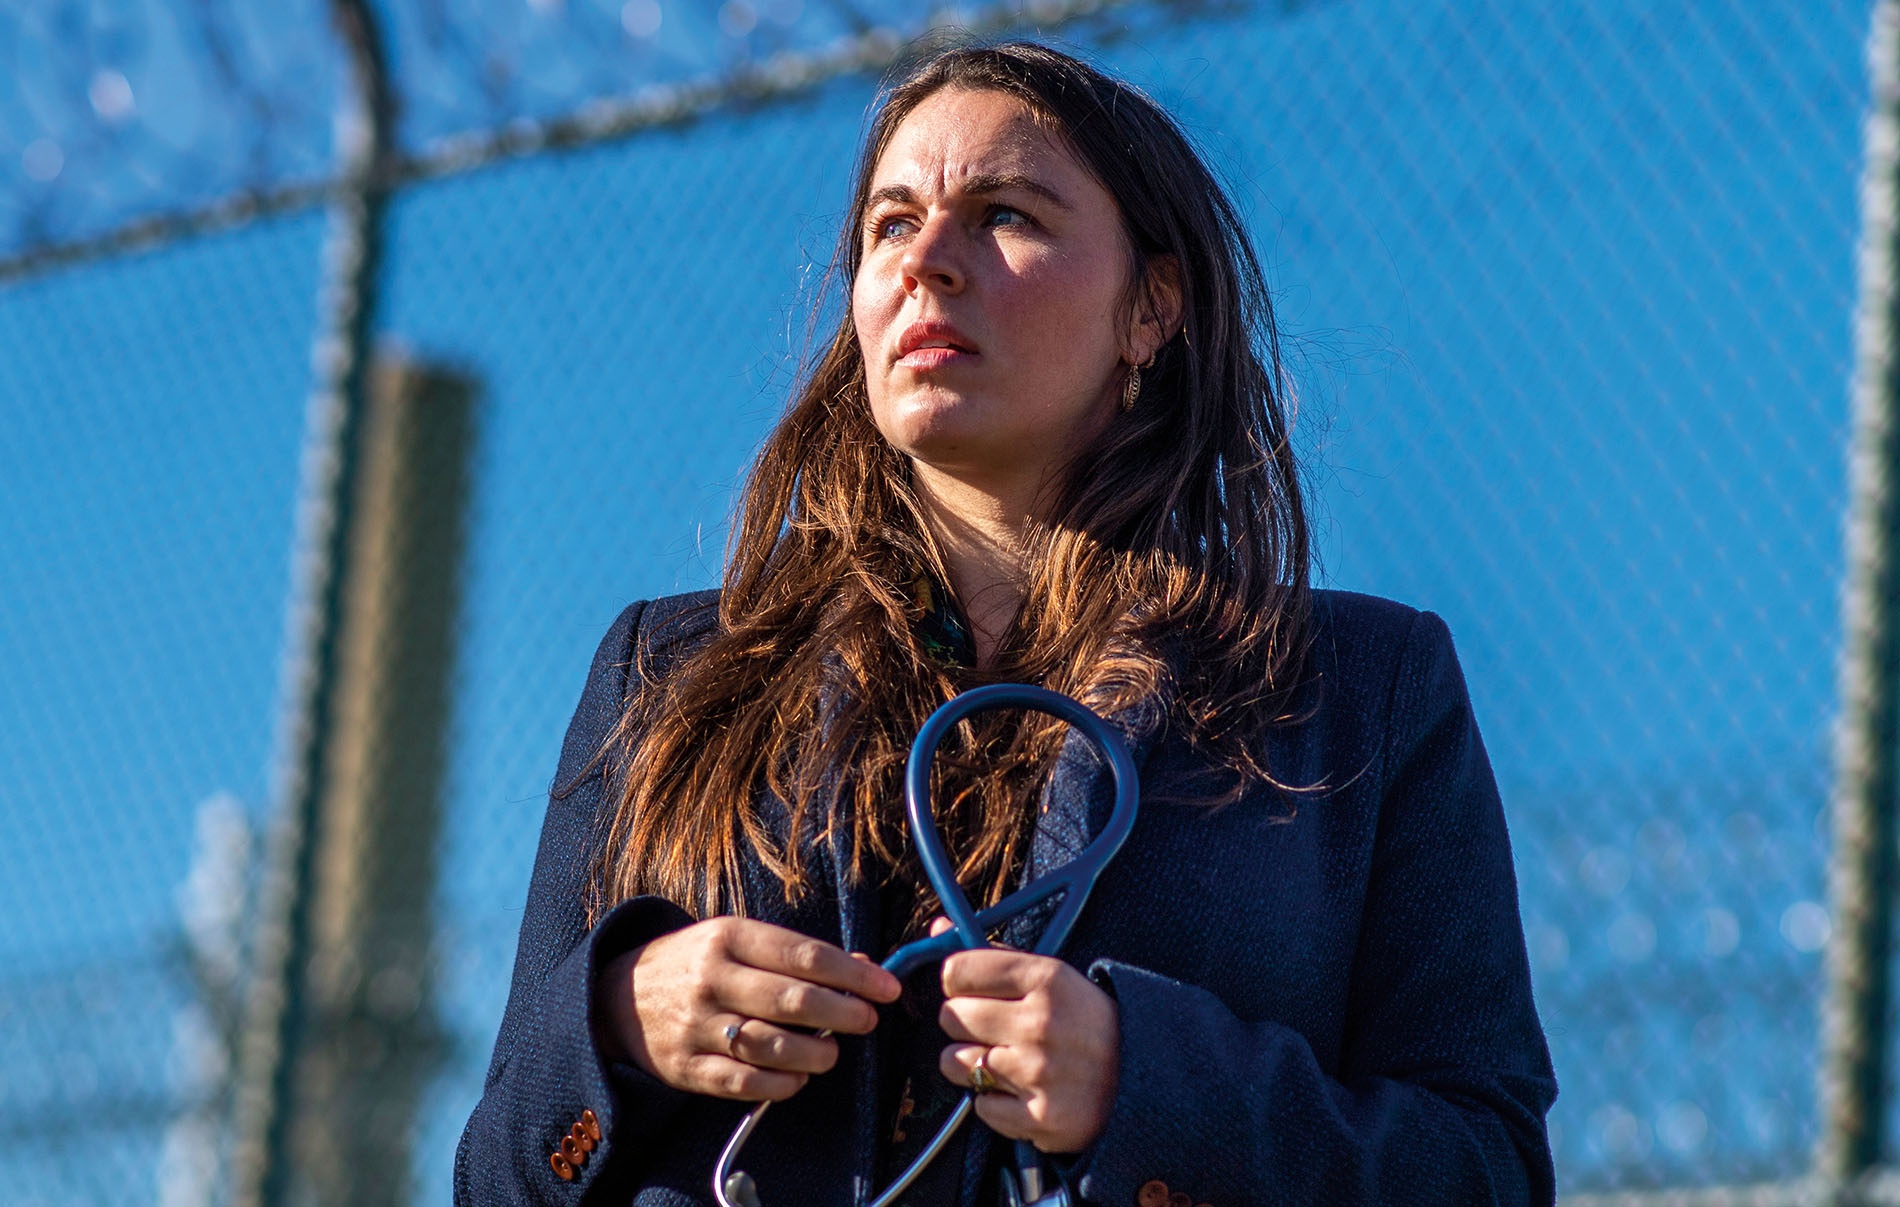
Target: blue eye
1003,215
886,228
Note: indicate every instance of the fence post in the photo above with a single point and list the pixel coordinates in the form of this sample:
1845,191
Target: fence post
275,1006
1854,1013
371,1041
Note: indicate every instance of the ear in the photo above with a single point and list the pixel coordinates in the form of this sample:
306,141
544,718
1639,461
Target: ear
1157,310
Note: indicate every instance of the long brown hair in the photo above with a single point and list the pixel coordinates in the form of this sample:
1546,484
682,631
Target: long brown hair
1171,565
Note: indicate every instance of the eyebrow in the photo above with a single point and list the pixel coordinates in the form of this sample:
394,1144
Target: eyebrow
980,185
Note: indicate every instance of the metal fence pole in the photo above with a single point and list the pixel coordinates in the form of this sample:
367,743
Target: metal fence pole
1854,1019
274,1013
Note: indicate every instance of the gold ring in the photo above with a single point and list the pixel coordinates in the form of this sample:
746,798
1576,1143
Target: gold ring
732,1038
982,1081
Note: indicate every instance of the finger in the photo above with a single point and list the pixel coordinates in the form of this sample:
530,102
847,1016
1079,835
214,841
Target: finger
957,1063
791,1002
1008,1116
995,972
776,949
724,1077
941,924
982,1020
762,1045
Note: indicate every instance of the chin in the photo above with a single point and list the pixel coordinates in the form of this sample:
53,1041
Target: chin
938,422
978,459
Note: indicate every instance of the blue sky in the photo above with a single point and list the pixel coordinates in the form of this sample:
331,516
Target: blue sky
1568,291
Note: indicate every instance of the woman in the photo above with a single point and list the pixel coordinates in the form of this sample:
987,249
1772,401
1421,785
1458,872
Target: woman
1047,444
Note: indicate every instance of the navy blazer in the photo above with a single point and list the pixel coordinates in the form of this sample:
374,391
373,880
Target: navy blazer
1323,995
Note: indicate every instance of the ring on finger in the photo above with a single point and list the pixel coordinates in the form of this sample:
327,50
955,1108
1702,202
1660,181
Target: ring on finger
732,1038
982,1081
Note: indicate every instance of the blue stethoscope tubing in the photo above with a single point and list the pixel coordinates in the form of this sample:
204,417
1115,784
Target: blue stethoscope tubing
969,927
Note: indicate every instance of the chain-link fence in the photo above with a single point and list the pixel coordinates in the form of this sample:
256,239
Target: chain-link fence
1570,289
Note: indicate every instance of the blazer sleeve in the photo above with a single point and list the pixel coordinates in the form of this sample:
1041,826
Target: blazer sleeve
1444,1078
547,1072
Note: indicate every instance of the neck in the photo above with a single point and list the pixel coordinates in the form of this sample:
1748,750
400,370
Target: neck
981,536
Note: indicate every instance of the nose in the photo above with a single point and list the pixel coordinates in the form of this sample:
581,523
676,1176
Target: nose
932,259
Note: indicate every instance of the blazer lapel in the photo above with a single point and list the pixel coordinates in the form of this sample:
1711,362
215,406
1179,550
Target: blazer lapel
857,932
857,901
1078,798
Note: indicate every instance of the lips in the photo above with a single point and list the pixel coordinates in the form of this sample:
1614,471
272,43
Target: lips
933,342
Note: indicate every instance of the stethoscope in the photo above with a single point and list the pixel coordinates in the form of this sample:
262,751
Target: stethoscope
1029,1185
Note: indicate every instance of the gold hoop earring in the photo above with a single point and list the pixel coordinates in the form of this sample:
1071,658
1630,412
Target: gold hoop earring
1131,386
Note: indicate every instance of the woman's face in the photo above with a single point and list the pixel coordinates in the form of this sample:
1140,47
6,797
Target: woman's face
990,302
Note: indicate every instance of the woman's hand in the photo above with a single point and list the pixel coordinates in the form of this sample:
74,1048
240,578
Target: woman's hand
666,1006
1048,1035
